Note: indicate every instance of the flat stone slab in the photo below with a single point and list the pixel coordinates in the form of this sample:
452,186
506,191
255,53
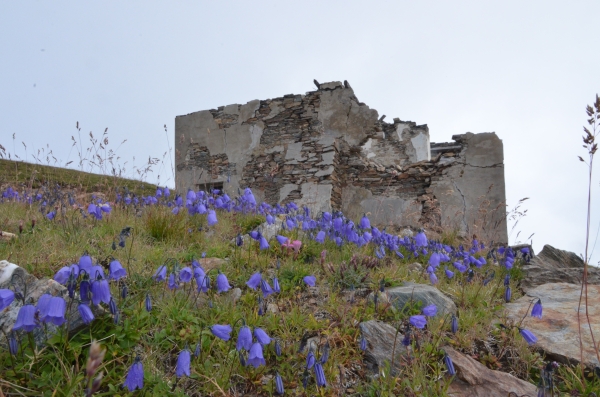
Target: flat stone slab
474,379
380,338
427,294
553,265
557,331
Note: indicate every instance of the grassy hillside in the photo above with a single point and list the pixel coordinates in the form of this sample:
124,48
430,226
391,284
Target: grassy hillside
17,173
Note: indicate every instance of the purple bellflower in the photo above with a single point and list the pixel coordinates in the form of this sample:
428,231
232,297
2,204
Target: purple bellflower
26,319
135,376
161,274
261,336
221,331
418,321
449,365
6,298
310,280
507,294
265,288
320,375
212,218
529,337
254,280
116,270
55,312
454,324
537,309
310,360
430,310
244,340
255,356
87,316
183,363
185,274
100,291
222,283
420,239
279,384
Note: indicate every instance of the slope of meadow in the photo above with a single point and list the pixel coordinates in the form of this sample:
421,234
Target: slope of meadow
199,261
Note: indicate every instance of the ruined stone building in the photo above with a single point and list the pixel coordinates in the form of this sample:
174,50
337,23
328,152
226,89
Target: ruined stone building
328,150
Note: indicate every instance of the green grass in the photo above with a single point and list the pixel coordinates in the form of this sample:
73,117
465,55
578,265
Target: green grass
182,318
18,173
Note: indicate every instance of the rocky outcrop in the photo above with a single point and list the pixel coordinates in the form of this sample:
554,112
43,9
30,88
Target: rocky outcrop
383,340
411,292
557,330
17,279
474,379
553,265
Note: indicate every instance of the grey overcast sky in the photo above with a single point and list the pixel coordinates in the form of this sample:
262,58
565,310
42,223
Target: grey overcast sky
524,69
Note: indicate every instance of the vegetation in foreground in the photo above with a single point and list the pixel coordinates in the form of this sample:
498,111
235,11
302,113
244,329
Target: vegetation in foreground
170,323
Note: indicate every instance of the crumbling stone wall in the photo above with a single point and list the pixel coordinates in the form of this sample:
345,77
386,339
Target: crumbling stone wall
328,150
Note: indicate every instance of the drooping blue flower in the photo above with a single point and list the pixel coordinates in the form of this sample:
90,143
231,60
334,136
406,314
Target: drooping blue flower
418,321
185,275
279,384
148,303
116,270
363,343
310,360
433,278
13,344
310,280
263,243
537,309
212,218
42,306
449,273
197,350
173,284
449,365
364,222
254,280
430,310
26,319
320,375
6,298
421,239
276,287
221,331
85,263
507,294
265,288
282,239
244,340
222,283
320,238
55,311
255,356
87,316
277,348
85,291
183,363
135,376
454,324
261,336
100,291
161,274
529,337
62,275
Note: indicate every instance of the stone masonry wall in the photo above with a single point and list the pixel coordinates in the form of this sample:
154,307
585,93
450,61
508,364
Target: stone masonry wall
327,150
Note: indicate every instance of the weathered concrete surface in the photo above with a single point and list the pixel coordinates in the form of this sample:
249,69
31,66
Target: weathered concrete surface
471,191
557,331
474,379
553,265
427,294
328,150
382,210
382,341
